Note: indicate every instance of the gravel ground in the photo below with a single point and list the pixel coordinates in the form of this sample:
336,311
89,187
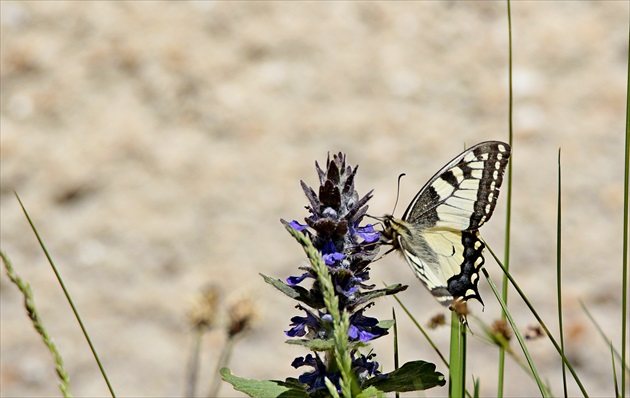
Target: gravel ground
157,145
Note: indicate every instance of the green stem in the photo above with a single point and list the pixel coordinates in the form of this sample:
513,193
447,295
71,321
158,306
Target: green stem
538,318
530,362
67,294
396,359
456,359
193,364
559,273
626,200
508,215
223,362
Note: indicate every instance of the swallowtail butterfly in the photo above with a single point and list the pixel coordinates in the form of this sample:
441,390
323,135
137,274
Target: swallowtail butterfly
438,233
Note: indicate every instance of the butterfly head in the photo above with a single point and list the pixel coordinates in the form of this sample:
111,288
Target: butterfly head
392,229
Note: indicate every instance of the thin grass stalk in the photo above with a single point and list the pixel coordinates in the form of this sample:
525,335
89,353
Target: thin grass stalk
539,319
500,341
31,309
396,359
426,336
67,294
193,364
614,369
603,335
424,333
222,363
463,349
456,369
559,272
508,215
476,387
530,362
626,200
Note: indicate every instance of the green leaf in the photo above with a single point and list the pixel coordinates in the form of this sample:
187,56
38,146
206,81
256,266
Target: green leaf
373,294
264,388
386,324
323,345
295,292
314,345
412,376
371,392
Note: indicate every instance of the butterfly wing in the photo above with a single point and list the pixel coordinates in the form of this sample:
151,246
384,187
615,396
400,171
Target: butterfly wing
447,262
438,233
463,194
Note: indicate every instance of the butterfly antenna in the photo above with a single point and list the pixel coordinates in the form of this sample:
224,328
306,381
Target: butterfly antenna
398,192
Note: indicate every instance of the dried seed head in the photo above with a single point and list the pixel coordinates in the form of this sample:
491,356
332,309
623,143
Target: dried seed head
436,321
534,332
203,312
243,313
500,331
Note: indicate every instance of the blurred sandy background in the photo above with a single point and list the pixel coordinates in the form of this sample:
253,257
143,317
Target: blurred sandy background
157,144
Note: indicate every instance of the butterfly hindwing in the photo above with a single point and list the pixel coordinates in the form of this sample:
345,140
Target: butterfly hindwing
446,261
438,234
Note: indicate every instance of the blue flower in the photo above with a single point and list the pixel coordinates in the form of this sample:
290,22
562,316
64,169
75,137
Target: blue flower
297,226
300,324
330,254
295,280
364,368
367,233
315,379
364,328
351,283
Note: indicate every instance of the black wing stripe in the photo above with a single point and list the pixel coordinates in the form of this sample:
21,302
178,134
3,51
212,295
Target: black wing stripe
491,180
464,284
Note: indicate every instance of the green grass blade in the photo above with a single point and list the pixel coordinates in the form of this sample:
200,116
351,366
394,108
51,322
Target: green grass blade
614,369
608,341
559,272
193,364
530,362
540,321
31,309
508,215
223,362
456,359
624,253
476,386
421,329
396,359
498,339
67,294
462,354
425,334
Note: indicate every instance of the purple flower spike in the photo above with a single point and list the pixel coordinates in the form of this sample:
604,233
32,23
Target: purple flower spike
332,258
300,323
364,328
368,234
295,280
297,226
333,225
330,254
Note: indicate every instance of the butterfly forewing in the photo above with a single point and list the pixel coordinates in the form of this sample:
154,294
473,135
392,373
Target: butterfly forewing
463,194
438,233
